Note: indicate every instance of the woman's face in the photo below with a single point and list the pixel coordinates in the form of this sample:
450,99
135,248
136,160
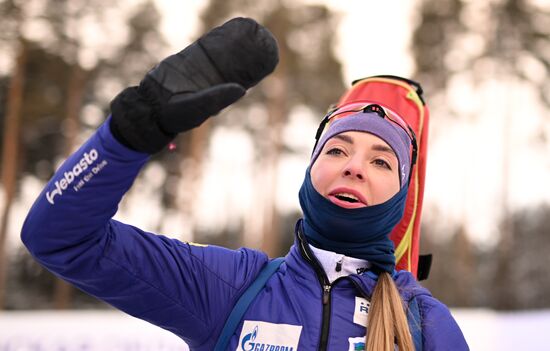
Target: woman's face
356,169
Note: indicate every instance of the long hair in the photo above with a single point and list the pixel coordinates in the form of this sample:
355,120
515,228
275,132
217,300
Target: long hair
387,320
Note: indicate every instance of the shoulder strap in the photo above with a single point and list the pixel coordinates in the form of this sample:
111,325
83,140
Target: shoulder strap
415,324
244,301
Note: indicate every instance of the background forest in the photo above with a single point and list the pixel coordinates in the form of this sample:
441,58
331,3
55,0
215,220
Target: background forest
484,68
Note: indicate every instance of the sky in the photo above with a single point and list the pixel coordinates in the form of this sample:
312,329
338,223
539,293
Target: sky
353,33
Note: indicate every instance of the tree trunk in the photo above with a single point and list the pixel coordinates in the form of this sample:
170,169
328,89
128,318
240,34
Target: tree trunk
505,298
277,109
191,171
10,154
276,106
75,94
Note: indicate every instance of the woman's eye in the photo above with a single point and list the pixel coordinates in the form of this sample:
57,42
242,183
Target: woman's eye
382,163
335,151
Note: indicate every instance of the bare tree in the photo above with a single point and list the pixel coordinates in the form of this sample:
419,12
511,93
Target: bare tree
484,41
10,153
50,115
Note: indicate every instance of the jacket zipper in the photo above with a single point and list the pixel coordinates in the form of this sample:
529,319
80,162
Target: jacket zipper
326,286
325,328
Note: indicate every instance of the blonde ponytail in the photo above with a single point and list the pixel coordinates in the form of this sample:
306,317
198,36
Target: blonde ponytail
387,320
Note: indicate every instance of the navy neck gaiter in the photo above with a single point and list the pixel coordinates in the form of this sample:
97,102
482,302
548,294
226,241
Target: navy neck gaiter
361,232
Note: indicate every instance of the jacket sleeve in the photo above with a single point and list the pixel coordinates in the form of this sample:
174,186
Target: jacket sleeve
439,328
184,288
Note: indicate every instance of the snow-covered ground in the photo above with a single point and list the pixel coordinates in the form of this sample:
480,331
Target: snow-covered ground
111,330
79,331
490,330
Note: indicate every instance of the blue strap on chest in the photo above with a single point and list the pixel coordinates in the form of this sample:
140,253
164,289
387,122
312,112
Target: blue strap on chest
244,301
415,324
236,315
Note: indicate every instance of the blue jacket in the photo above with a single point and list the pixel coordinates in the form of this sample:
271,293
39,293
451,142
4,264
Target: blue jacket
190,289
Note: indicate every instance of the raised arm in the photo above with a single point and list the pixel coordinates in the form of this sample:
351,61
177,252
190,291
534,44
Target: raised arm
69,228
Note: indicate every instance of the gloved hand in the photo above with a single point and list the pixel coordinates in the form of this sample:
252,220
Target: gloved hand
184,89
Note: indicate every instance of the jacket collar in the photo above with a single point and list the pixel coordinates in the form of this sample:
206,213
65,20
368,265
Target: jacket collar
338,265
303,263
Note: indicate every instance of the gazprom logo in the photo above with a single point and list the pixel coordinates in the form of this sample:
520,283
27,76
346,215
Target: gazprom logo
248,344
248,340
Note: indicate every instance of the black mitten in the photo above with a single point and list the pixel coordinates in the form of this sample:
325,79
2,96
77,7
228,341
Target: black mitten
184,89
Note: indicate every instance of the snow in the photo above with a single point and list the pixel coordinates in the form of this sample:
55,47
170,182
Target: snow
112,330
82,330
489,330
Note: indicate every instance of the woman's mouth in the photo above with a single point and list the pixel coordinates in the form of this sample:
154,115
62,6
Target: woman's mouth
347,198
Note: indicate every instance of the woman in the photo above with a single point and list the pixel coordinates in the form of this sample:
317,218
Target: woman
341,264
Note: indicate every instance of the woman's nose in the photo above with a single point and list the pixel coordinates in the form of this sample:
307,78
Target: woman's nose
354,169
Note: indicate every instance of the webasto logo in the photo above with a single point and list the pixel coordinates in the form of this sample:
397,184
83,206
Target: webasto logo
69,176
